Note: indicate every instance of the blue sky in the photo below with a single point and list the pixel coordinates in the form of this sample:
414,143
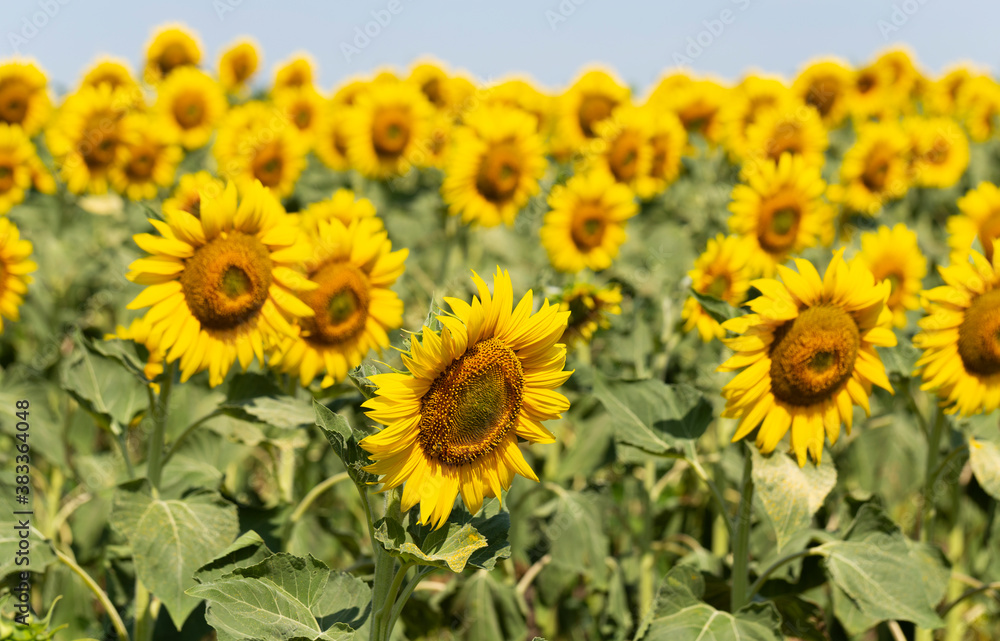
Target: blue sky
549,39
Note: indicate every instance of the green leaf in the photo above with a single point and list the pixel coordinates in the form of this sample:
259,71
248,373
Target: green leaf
574,534
985,459
900,359
284,597
255,397
652,415
103,386
245,551
718,309
345,443
679,614
171,539
790,495
41,555
490,609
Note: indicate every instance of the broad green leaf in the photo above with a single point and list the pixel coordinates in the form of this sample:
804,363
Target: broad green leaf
284,597
574,534
345,443
490,609
652,415
245,551
172,538
719,310
255,397
790,495
679,614
900,359
104,386
984,457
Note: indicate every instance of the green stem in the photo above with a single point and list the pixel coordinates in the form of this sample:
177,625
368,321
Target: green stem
385,564
741,543
144,622
187,432
401,600
986,587
925,524
759,583
720,503
109,607
154,463
383,615
314,493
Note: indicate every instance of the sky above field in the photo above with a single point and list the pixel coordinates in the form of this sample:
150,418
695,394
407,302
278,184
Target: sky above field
549,39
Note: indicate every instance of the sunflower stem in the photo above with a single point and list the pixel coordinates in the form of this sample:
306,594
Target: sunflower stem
925,524
159,408
385,565
741,543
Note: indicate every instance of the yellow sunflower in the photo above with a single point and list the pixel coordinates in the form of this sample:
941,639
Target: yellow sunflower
589,307
24,99
939,151
591,99
115,74
446,92
453,423
386,129
146,158
978,106
807,355
753,96
187,194
237,65
15,267
942,94
668,140
893,255
522,94
622,148
870,93
906,82
257,143
780,208
723,272
191,103
979,218
494,166
961,359
697,104
172,47
790,128
342,206
220,287
17,156
330,142
294,72
354,267
303,107
875,169
825,85
586,225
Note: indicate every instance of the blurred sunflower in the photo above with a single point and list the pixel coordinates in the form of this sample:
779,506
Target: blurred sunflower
522,94
17,157
172,47
146,158
747,101
493,167
807,355
186,196
875,169
978,106
303,107
294,72
942,94
453,423
825,85
15,267
589,307
237,65
723,272
386,129
115,74
906,82
893,255
698,104
256,143
979,218
220,287
939,151
626,153
588,101
780,208
668,140
790,128
870,93
354,267
586,225
445,91
191,103
24,99
330,141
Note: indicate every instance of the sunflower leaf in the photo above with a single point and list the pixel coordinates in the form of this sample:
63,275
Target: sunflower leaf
790,495
490,609
255,397
104,386
984,457
718,309
901,359
344,440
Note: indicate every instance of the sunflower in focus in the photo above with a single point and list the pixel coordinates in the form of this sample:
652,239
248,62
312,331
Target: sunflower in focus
825,85
354,267
146,157
589,309
221,287
187,194
893,255
256,143
586,225
115,74
875,169
494,166
978,105
792,128
939,151
780,208
191,103
24,99
806,355
15,267
172,47
303,107
237,65
747,101
623,151
17,158
293,73
387,129
453,422
590,99
978,218
722,272
961,359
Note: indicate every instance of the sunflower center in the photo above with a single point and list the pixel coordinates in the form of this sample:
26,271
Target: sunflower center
140,165
303,117
876,172
822,94
624,155
593,109
938,153
240,68
786,138
472,405
718,287
341,304
813,355
174,55
866,82
14,100
390,131
499,173
98,148
588,226
661,156
226,282
432,89
6,178
778,228
267,165
979,335
189,110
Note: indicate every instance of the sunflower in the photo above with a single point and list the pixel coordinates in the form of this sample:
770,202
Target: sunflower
942,94
386,129
16,154
875,169
219,287
753,96
697,104
668,140
354,266
723,272
330,141
825,85
115,74
979,218
494,166
302,107
187,194
452,425
807,354
15,268
591,99
870,93
978,106
623,151
906,82
446,92
961,359
791,128
191,103
780,208
24,99
257,143
294,72
589,307
893,255
347,93
342,206
172,47
146,158
586,224
521,93
237,65
940,151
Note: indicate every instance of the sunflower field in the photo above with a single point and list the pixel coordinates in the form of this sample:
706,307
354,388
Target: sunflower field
430,358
